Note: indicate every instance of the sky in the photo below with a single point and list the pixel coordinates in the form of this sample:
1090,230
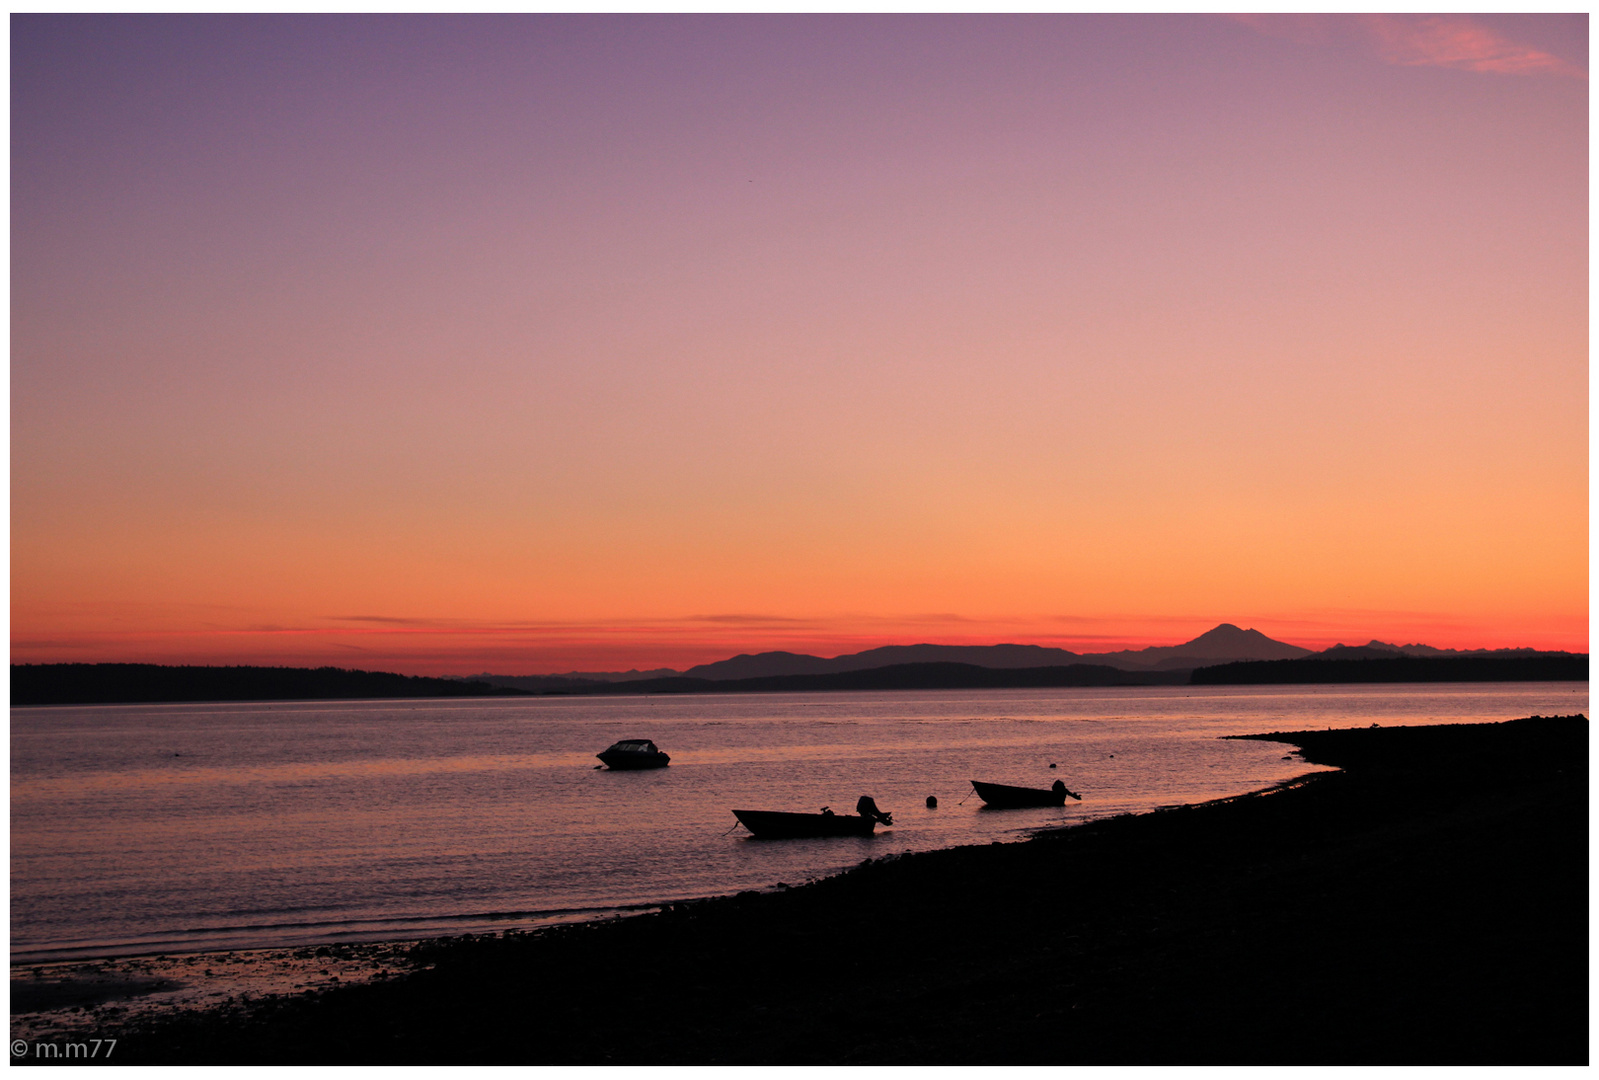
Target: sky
547,343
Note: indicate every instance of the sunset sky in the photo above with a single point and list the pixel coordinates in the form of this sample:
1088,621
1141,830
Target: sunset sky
536,344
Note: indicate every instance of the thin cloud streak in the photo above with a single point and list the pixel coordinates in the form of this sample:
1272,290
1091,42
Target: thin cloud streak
1447,41
749,620
1456,42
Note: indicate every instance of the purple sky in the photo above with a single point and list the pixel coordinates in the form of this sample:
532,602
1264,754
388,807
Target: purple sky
586,341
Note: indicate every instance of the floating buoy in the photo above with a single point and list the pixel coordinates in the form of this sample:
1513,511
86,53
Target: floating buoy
932,802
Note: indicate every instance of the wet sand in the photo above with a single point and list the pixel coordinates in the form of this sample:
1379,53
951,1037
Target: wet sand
1425,905
77,998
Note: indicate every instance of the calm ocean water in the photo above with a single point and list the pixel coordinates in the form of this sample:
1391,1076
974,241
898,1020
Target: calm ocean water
168,828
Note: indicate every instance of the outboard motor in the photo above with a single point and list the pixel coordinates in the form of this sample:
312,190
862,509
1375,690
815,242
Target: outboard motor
866,807
1060,788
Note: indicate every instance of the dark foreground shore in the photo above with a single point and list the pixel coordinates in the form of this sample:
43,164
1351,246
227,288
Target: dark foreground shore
1427,904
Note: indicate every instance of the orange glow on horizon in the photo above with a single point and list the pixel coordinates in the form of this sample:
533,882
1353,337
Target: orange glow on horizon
798,333
529,650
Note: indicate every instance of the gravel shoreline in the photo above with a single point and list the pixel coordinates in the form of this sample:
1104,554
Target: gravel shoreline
1427,904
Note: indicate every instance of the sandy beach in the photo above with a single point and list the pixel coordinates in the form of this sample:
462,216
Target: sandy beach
1425,904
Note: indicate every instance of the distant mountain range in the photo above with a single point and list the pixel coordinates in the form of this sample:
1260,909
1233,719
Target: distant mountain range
1223,656
1224,644
1379,650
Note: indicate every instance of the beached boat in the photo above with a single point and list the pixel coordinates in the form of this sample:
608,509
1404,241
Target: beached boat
779,825
633,754
1007,797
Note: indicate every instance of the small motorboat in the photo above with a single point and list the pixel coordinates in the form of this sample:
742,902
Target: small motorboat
634,754
781,825
1004,796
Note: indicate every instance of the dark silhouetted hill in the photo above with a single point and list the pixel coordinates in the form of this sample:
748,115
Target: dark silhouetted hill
548,684
759,665
1380,650
1223,643
907,677
93,684
1398,669
1219,645
608,676
746,666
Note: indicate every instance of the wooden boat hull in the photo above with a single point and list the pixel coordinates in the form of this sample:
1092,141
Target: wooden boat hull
1006,797
629,760
779,825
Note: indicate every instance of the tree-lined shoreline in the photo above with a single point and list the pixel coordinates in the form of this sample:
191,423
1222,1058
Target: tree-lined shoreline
125,684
